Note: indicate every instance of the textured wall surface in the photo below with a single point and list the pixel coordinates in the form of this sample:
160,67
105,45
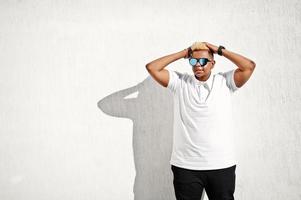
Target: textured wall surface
82,119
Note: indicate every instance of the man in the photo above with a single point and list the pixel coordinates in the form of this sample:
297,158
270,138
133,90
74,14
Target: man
203,151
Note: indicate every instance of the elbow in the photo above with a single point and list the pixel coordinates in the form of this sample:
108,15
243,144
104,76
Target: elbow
253,65
250,66
148,67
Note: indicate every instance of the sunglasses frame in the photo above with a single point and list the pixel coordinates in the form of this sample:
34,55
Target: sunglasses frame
198,61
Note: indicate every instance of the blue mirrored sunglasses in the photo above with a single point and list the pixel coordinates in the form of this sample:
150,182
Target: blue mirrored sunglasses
202,61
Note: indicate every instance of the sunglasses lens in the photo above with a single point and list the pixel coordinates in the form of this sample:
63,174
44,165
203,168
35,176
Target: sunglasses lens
193,61
203,61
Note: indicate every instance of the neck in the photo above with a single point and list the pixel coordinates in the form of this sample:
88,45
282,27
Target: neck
205,78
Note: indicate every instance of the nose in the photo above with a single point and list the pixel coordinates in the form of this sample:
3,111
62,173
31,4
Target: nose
198,68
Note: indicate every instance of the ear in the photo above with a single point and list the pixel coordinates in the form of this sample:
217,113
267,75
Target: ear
213,63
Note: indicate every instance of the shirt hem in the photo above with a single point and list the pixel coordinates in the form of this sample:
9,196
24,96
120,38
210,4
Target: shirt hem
202,166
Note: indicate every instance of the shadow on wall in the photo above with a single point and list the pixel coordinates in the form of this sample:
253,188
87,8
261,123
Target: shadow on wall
152,113
150,106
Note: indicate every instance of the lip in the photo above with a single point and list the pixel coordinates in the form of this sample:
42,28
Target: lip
198,69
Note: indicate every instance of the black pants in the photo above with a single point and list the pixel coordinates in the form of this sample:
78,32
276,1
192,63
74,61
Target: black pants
219,184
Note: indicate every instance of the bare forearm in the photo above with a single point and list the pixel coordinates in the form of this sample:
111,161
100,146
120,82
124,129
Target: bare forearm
240,61
162,62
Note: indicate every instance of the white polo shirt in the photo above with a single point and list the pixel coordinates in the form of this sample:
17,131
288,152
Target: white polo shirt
203,125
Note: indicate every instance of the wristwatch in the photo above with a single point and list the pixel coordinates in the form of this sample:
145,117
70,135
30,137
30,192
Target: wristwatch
219,50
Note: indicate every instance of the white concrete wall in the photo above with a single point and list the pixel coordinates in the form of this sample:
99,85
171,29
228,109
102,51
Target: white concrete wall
66,67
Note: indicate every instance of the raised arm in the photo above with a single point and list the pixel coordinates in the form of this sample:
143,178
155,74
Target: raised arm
245,65
156,67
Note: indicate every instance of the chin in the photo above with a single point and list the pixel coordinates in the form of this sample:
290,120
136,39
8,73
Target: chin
200,74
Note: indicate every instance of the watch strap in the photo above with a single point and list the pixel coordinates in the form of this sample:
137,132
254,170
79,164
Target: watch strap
219,50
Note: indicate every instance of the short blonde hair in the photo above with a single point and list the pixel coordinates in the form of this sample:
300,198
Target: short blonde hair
199,46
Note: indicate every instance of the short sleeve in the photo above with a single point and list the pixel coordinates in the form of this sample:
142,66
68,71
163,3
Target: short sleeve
174,79
229,76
